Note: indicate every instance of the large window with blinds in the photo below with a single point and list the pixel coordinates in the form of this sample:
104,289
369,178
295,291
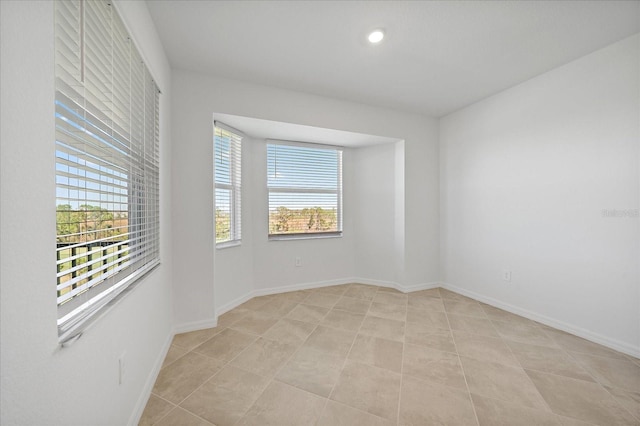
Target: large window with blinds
107,161
305,190
227,148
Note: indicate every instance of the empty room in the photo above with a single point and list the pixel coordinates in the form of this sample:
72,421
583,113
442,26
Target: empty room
320,212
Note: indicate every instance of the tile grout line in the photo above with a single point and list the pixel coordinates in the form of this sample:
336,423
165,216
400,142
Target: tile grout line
206,381
523,369
227,363
326,402
404,344
595,382
344,363
491,320
464,374
568,354
272,379
217,372
203,383
301,344
602,386
177,407
165,366
168,412
502,339
194,414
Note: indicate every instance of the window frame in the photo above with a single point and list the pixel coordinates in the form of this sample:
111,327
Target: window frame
234,187
102,127
285,189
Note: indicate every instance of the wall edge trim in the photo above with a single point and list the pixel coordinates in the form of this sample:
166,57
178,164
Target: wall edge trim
310,285
141,403
194,326
614,344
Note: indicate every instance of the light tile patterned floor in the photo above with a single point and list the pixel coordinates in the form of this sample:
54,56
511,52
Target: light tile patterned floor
362,355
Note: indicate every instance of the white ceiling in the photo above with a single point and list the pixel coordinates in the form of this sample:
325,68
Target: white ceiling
267,129
438,56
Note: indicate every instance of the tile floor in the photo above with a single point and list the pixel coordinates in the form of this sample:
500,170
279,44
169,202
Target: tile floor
362,355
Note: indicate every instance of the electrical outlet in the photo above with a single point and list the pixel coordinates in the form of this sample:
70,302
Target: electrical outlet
121,368
506,275
298,262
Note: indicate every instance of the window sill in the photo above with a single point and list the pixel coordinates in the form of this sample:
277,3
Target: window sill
286,237
228,244
69,333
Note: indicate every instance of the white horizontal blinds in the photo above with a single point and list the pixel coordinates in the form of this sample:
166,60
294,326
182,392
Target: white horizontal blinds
152,176
68,46
305,188
107,158
228,183
147,202
121,95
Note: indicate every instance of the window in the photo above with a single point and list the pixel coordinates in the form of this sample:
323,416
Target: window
305,190
107,162
228,179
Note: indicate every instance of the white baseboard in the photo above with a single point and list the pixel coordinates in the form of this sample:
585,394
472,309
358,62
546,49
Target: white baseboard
379,283
398,286
141,403
419,287
316,284
195,325
551,322
234,303
277,290
301,286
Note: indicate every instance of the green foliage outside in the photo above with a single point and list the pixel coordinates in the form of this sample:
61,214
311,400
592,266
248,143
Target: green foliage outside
88,223
307,220
85,225
285,221
223,226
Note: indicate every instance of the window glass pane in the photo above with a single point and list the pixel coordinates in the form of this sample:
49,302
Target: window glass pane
227,162
305,189
298,167
223,159
223,215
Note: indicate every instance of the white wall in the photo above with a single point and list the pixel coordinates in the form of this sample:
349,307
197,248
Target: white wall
376,253
235,274
40,382
525,176
370,249
322,259
196,97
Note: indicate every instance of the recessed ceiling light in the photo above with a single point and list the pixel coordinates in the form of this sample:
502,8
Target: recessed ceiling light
376,36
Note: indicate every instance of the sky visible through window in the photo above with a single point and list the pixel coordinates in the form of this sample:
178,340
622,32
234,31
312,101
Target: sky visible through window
304,189
228,184
222,150
299,168
81,181
223,171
